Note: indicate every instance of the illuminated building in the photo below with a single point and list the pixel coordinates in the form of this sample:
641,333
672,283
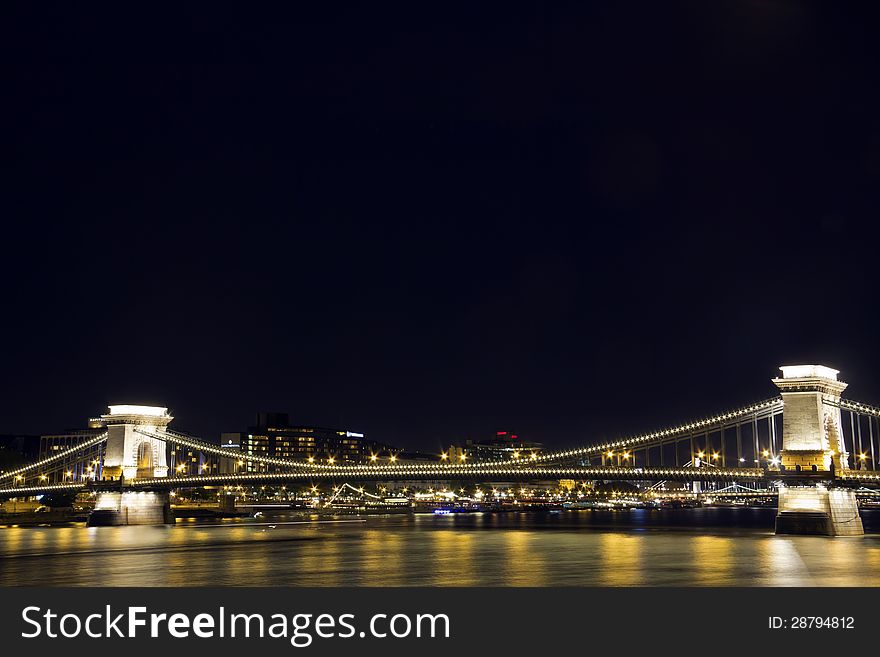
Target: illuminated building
502,446
50,444
233,442
58,442
274,436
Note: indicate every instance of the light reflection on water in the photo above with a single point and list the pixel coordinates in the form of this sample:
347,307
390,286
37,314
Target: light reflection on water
620,559
693,547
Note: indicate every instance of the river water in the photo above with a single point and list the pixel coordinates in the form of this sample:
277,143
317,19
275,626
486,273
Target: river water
682,547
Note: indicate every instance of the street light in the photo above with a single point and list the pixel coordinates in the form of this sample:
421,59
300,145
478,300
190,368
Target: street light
393,458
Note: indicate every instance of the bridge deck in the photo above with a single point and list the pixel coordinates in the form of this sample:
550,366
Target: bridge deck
408,473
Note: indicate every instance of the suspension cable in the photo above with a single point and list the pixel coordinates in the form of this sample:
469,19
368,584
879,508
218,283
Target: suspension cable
858,407
772,406
91,442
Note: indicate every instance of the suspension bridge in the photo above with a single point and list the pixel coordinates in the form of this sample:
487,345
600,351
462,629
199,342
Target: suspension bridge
809,446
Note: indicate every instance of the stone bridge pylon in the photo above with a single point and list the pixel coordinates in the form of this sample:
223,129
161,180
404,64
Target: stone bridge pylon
132,454
812,452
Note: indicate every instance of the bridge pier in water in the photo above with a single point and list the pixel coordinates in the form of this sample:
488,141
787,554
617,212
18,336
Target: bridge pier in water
812,451
113,509
226,503
818,510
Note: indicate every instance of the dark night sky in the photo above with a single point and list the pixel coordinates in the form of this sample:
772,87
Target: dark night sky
426,223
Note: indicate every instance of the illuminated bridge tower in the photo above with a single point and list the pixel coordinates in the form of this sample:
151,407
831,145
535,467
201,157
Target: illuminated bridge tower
130,453
812,451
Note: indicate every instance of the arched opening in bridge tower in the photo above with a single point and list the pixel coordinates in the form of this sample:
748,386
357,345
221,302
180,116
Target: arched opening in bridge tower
145,460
